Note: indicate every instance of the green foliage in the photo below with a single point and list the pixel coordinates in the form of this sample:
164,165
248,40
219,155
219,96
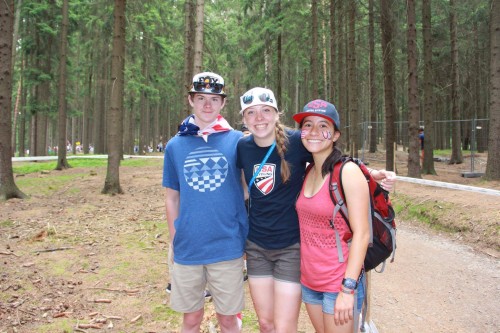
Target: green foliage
241,43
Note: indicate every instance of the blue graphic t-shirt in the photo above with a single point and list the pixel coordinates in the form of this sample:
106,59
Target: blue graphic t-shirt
212,224
272,216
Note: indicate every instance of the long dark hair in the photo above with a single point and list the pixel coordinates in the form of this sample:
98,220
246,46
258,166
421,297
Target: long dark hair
331,160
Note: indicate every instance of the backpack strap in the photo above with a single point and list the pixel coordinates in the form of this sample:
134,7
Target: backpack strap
341,193
337,193
339,206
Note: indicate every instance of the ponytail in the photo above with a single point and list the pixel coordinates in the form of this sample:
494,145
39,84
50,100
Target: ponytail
282,147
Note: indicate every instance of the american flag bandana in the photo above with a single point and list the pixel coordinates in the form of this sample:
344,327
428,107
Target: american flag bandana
188,127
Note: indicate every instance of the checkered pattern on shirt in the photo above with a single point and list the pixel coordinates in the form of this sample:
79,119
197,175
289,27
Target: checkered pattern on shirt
205,169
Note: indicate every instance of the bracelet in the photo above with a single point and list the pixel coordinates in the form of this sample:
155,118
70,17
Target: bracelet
347,291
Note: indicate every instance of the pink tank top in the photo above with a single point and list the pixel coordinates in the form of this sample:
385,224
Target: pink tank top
319,262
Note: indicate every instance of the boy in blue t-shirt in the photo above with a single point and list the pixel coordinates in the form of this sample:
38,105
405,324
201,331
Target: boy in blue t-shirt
206,214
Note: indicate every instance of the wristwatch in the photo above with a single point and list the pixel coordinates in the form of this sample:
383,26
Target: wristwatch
350,283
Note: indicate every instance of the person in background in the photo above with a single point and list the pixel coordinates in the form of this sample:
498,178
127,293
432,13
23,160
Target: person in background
205,209
273,244
421,139
332,287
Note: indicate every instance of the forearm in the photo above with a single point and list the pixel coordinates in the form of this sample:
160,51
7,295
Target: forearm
357,253
172,211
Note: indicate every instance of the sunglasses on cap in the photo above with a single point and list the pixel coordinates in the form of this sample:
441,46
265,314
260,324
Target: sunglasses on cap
264,97
208,84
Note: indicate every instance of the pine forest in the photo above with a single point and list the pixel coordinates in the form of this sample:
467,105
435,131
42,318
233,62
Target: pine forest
111,77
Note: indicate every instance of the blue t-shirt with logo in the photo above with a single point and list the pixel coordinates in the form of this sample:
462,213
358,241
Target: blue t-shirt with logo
212,224
272,216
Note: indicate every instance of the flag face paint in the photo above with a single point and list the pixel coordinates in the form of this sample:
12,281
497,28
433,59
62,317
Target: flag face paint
304,133
327,135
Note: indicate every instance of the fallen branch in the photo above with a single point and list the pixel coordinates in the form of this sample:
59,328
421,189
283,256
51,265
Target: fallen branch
101,300
61,314
136,318
30,313
53,250
127,291
79,330
112,317
9,253
98,326
81,270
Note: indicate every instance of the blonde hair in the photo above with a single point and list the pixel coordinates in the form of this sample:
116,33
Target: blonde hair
282,147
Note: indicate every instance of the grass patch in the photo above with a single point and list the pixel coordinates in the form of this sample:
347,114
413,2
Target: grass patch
6,224
46,185
33,167
165,313
250,320
61,325
431,213
61,267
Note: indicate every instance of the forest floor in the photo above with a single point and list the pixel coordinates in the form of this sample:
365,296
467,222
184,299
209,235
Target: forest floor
74,260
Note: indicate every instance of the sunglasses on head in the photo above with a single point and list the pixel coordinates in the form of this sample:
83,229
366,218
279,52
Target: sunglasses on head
264,97
208,84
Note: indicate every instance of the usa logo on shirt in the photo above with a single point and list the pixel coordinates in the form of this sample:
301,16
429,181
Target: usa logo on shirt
265,179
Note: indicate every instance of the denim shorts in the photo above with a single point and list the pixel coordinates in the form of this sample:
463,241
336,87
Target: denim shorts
327,299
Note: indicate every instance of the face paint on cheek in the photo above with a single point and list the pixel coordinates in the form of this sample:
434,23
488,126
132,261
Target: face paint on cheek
327,135
303,133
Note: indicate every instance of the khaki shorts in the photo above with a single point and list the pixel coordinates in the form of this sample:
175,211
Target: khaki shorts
282,264
224,280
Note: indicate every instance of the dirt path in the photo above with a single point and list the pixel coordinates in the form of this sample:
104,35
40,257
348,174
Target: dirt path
117,248
436,285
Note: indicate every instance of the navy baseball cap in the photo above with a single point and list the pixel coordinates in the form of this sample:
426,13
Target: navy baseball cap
319,108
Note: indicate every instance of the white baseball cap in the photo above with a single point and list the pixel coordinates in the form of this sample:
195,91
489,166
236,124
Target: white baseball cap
258,96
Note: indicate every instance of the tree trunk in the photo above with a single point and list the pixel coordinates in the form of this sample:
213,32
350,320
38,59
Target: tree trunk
456,146
86,115
144,104
22,122
314,49
429,105
493,163
16,113
413,103
8,188
341,74
99,112
279,55
188,52
352,84
198,40
387,27
333,50
62,162
115,114
372,128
